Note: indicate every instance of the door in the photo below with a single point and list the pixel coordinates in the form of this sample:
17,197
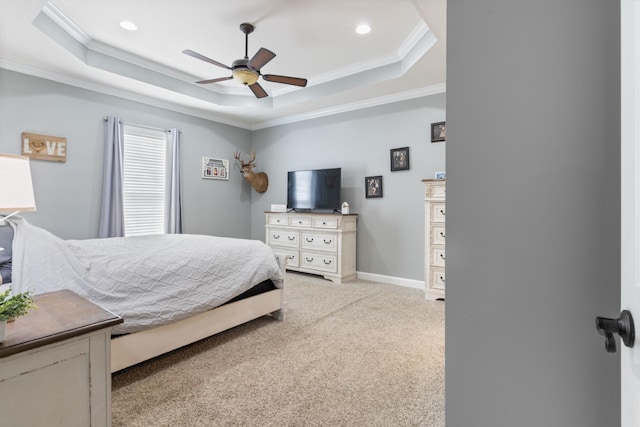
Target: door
630,207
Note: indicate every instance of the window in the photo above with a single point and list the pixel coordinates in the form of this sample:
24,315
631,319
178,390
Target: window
144,183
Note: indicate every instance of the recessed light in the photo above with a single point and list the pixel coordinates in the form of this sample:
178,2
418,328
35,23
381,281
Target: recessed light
363,29
128,25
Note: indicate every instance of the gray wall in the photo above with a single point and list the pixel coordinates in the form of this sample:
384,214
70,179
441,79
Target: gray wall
68,194
533,196
391,228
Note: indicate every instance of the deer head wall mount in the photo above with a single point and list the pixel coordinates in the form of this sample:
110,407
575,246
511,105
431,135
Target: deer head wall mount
258,180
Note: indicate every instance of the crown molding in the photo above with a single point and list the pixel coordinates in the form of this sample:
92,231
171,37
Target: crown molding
167,105
100,55
65,23
108,90
339,109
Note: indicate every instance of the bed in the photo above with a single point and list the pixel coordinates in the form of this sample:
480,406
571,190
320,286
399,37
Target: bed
171,290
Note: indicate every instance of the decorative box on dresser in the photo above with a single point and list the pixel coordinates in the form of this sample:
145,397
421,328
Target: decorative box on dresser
323,244
434,241
55,365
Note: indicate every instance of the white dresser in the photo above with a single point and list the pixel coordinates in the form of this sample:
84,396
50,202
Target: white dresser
434,247
323,244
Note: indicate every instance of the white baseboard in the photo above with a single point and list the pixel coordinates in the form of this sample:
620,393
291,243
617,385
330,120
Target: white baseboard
399,281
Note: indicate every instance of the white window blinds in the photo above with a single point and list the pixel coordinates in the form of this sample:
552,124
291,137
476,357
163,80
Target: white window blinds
144,181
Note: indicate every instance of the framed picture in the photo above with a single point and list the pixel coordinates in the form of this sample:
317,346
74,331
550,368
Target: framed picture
373,186
400,159
438,132
213,168
440,175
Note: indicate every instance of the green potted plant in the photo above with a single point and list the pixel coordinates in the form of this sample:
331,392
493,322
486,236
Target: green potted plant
12,306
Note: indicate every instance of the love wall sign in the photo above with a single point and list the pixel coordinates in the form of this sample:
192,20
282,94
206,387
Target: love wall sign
44,147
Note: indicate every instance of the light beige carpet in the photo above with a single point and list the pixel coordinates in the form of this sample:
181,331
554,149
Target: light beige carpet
357,354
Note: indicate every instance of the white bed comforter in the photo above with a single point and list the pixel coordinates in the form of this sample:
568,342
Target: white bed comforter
148,280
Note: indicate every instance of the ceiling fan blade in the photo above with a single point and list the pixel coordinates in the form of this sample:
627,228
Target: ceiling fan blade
261,58
258,91
204,58
296,81
220,79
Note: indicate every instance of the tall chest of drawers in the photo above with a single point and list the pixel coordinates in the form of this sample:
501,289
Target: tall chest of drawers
323,244
434,242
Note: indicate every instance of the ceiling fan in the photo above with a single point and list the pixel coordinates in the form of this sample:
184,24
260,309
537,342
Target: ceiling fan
246,70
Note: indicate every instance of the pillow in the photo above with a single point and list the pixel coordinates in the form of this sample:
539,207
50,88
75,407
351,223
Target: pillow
6,242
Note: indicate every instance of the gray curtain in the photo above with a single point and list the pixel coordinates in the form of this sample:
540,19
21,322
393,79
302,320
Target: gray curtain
174,205
112,211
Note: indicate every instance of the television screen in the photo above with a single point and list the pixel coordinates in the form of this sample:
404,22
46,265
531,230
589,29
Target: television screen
314,189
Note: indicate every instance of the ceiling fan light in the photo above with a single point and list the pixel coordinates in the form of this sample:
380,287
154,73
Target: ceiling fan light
245,76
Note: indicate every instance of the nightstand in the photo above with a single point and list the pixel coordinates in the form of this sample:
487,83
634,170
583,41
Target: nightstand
55,364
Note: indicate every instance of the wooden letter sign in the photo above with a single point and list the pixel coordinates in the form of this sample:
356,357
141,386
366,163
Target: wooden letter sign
44,147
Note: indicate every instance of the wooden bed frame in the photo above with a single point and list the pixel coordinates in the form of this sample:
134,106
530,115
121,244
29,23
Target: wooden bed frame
128,350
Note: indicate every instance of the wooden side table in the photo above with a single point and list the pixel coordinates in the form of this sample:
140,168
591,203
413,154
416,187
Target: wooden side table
55,364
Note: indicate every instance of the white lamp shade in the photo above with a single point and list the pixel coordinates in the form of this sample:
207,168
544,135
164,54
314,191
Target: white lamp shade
16,188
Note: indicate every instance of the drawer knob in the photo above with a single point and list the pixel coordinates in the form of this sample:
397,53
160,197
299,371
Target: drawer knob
308,259
324,223
442,256
442,279
276,236
327,262
442,234
442,212
328,242
292,238
309,239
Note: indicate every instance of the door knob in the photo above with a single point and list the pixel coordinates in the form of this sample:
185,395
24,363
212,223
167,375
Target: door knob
622,326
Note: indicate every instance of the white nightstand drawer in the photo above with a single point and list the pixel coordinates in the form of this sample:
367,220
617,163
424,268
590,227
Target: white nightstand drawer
300,221
319,241
282,237
437,278
318,261
438,234
438,211
325,223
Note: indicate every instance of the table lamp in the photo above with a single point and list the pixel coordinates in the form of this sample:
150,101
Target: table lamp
16,188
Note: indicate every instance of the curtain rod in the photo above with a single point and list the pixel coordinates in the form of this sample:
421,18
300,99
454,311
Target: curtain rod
140,126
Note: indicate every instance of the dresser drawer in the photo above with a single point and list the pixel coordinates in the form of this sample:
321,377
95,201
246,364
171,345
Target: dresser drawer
438,211
437,256
318,261
435,191
437,277
438,234
330,223
282,220
291,257
300,221
283,237
319,241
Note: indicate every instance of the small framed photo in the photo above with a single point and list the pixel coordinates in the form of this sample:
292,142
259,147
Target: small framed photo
373,186
400,159
440,175
438,132
213,168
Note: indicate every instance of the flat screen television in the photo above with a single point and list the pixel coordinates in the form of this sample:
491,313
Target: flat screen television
318,189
